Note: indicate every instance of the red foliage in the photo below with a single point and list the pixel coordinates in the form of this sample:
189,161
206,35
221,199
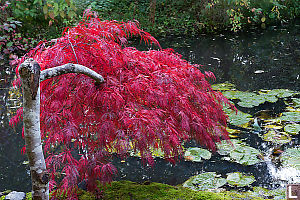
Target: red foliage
150,99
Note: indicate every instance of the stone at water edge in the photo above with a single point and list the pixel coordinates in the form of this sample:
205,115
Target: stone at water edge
14,195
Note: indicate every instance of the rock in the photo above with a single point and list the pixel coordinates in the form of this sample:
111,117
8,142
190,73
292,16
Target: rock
14,195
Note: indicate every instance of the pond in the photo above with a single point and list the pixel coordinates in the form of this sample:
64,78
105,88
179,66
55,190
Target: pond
252,61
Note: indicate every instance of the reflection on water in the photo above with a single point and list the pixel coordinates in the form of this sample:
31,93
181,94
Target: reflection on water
13,174
251,61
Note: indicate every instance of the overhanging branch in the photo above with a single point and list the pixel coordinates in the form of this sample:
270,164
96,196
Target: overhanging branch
70,68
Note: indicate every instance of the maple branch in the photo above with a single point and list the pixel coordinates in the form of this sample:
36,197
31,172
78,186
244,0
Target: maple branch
70,68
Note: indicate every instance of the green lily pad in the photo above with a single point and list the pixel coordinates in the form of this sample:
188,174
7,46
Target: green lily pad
251,100
269,98
239,152
261,192
245,95
205,181
290,116
238,119
224,147
232,94
268,194
245,155
293,129
223,86
195,154
282,93
296,102
277,137
291,157
248,104
239,180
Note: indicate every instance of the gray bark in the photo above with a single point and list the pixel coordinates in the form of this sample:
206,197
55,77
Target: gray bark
70,68
31,76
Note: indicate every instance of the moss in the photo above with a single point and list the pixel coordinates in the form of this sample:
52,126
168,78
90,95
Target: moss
4,193
237,195
28,196
123,190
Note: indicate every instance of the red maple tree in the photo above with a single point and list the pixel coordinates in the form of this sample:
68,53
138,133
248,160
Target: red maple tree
150,99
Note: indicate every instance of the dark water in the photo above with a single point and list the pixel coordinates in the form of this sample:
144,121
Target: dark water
255,60
236,58
13,174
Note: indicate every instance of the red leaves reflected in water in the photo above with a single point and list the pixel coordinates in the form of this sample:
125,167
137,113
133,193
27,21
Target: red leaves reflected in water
150,99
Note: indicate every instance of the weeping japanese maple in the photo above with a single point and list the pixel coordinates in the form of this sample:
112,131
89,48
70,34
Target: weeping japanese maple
150,99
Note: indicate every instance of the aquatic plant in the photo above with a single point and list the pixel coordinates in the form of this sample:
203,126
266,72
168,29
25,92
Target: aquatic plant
205,181
239,152
290,157
149,100
196,154
239,179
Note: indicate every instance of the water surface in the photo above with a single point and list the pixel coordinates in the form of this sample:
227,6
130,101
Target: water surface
254,60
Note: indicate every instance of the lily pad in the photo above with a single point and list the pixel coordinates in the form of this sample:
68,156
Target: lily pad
282,93
249,104
268,194
290,116
205,181
269,98
195,154
245,155
272,126
239,180
239,152
277,137
251,100
293,129
233,94
223,86
238,119
296,102
225,147
291,157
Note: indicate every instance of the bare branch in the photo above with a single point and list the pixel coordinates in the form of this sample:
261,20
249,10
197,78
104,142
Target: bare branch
70,68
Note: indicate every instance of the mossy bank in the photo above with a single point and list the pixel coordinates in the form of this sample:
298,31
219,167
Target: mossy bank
127,190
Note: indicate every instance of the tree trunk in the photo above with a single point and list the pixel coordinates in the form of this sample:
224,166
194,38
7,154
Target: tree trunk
152,8
31,76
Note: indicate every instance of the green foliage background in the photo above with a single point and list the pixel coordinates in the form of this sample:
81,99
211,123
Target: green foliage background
194,17
159,17
24,23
